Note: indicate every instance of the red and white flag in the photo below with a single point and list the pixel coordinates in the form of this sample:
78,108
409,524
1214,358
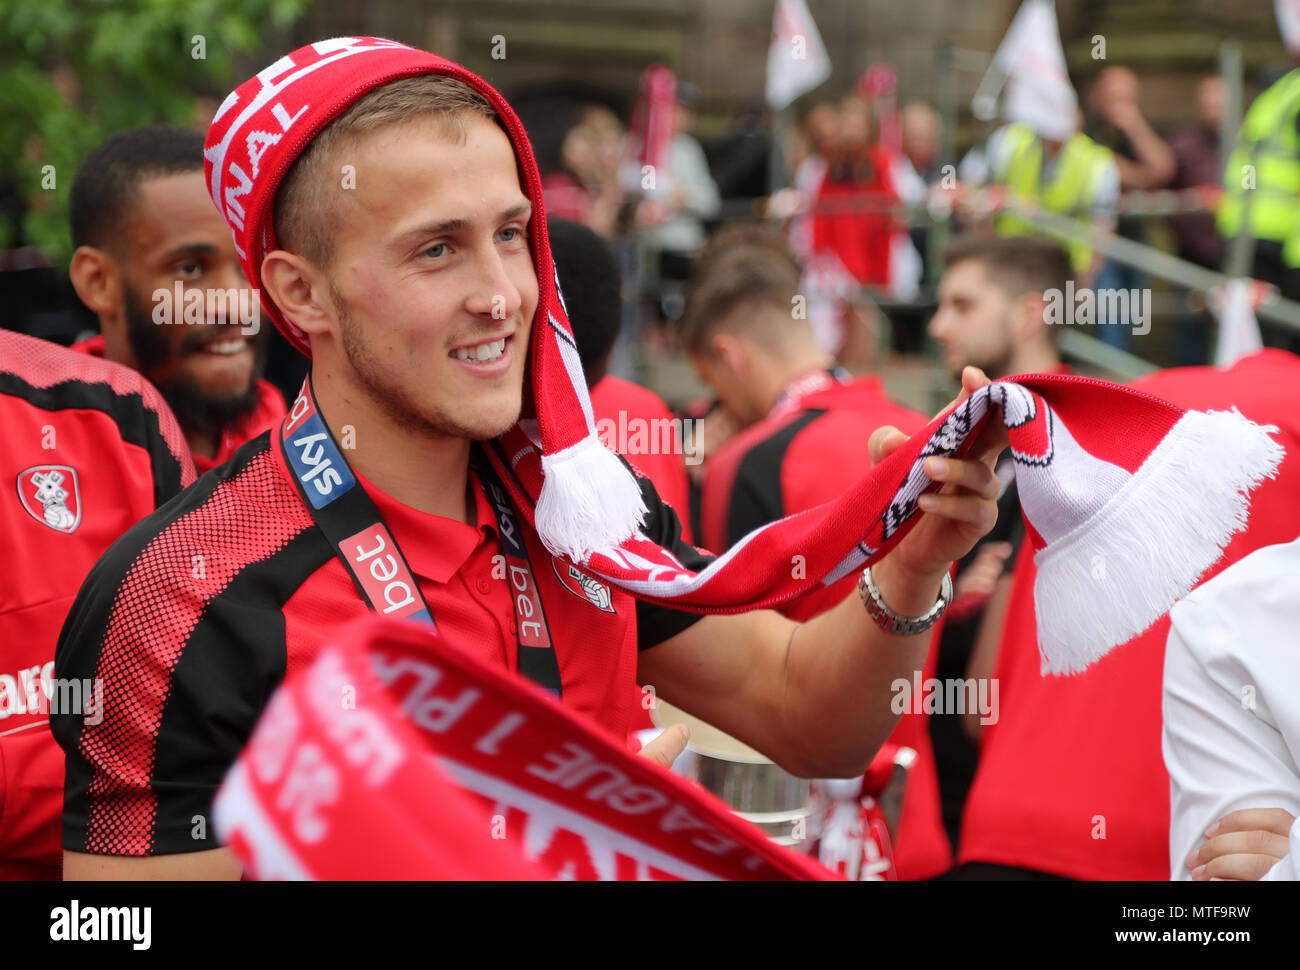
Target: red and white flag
1038,90
646,167
1238,329
797,61
1288,22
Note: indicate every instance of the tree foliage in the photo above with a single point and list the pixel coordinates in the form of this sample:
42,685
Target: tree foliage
73,72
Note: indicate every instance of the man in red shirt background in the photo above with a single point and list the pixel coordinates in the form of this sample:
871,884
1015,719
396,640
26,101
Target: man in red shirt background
990,315
157,264
92,449
805,415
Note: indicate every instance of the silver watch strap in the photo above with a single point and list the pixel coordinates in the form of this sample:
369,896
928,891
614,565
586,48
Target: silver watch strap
891,622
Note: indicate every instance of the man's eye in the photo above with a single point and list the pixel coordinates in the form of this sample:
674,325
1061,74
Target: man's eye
190,269
510,235
436,250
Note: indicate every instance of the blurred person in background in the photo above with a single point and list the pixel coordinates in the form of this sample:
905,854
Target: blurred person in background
1198,159
692,200
578,156
741,162
921,140
991,305
710,422
1261,183
1115,120
920,164
1046,159
92,449
815,144
853,219
1144,161
748,340
630,419
990,315
145,227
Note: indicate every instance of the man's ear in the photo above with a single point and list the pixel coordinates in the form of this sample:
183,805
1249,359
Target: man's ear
1029,315
732,352
98,281
299,289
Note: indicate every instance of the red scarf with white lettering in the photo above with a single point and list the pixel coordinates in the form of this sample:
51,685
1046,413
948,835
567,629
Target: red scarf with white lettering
394,755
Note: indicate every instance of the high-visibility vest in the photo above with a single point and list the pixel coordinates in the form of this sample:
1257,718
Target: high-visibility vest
1071,191
1270,186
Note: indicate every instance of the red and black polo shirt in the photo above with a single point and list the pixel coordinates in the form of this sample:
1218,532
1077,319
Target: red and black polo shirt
196,615
88,448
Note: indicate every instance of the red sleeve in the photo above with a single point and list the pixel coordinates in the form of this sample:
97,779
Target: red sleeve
635,422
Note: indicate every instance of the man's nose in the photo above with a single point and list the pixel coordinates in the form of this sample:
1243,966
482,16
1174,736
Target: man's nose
937,325
496,294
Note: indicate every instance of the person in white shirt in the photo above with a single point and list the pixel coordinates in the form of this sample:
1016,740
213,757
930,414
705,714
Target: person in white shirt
1231,737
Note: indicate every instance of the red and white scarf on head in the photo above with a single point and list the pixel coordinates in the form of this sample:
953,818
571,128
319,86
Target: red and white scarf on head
591,499
1128,499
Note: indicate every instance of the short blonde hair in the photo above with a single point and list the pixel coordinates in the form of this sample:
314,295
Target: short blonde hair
304,220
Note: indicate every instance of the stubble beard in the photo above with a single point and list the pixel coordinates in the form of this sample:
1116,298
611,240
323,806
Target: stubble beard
370,375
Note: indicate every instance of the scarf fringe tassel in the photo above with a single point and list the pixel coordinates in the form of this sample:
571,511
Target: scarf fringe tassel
1119,572
589,501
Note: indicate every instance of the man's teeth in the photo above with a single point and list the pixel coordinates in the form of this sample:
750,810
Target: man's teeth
225,347
483,352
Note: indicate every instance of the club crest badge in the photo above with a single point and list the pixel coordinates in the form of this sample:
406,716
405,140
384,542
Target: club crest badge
51,494
583,586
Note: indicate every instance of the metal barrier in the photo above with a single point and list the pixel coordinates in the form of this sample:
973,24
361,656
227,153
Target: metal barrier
1150,260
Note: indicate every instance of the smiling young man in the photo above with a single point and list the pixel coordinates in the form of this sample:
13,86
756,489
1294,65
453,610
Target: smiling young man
156,264
388,204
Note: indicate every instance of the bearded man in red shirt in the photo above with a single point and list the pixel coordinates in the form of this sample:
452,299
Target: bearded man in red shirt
157,266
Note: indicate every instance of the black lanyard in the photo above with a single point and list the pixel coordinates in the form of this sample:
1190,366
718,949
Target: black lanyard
361,540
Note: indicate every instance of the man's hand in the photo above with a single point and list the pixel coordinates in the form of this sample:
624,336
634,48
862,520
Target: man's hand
965,509
981,577
817,697
1242,845
664,749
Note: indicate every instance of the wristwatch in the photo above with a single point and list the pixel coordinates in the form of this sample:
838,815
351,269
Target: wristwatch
891,622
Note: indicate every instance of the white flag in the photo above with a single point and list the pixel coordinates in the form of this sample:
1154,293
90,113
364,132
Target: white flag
796,61
1238,328
1288,21
1039,93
